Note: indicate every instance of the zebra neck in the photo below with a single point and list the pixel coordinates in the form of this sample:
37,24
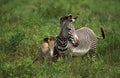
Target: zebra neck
62,41
61,44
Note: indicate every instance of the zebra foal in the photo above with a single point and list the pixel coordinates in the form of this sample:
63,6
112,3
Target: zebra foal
46,50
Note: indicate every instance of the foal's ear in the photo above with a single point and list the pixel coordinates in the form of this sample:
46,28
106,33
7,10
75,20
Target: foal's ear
46,39
52,38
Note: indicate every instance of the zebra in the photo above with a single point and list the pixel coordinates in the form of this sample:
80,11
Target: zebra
85,37
46,50
67,35
88,40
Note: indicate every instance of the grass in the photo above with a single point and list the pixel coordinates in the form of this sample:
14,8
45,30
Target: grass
24,24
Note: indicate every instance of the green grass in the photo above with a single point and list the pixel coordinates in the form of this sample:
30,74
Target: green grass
24,24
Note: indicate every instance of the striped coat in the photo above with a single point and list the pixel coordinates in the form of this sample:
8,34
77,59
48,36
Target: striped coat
88,40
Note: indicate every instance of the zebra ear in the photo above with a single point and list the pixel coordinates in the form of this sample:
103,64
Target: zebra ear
63,18
74,19
66,17
69,17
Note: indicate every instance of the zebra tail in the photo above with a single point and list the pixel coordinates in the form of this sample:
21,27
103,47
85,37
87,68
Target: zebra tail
102,33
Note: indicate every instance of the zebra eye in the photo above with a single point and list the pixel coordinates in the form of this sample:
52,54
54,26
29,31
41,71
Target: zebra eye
71,20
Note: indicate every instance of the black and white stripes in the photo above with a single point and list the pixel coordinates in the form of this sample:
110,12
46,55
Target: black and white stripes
88,40
62,44
80,41
67,35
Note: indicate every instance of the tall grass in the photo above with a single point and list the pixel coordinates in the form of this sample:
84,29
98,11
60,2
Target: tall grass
24,24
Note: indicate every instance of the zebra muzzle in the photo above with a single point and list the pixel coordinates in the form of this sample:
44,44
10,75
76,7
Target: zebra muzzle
77,41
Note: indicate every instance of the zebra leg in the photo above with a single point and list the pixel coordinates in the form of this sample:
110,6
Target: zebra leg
92,51
55,55
92,54
41,58
70,55
84,56
38,58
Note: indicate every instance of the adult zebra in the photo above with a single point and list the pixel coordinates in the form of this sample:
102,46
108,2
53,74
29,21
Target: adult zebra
67,35
84,36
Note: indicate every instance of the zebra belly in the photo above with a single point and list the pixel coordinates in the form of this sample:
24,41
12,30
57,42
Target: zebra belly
79,52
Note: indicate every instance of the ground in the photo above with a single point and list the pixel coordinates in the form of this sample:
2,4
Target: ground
24,24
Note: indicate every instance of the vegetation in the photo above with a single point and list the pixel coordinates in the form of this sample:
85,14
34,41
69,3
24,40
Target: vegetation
24,24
